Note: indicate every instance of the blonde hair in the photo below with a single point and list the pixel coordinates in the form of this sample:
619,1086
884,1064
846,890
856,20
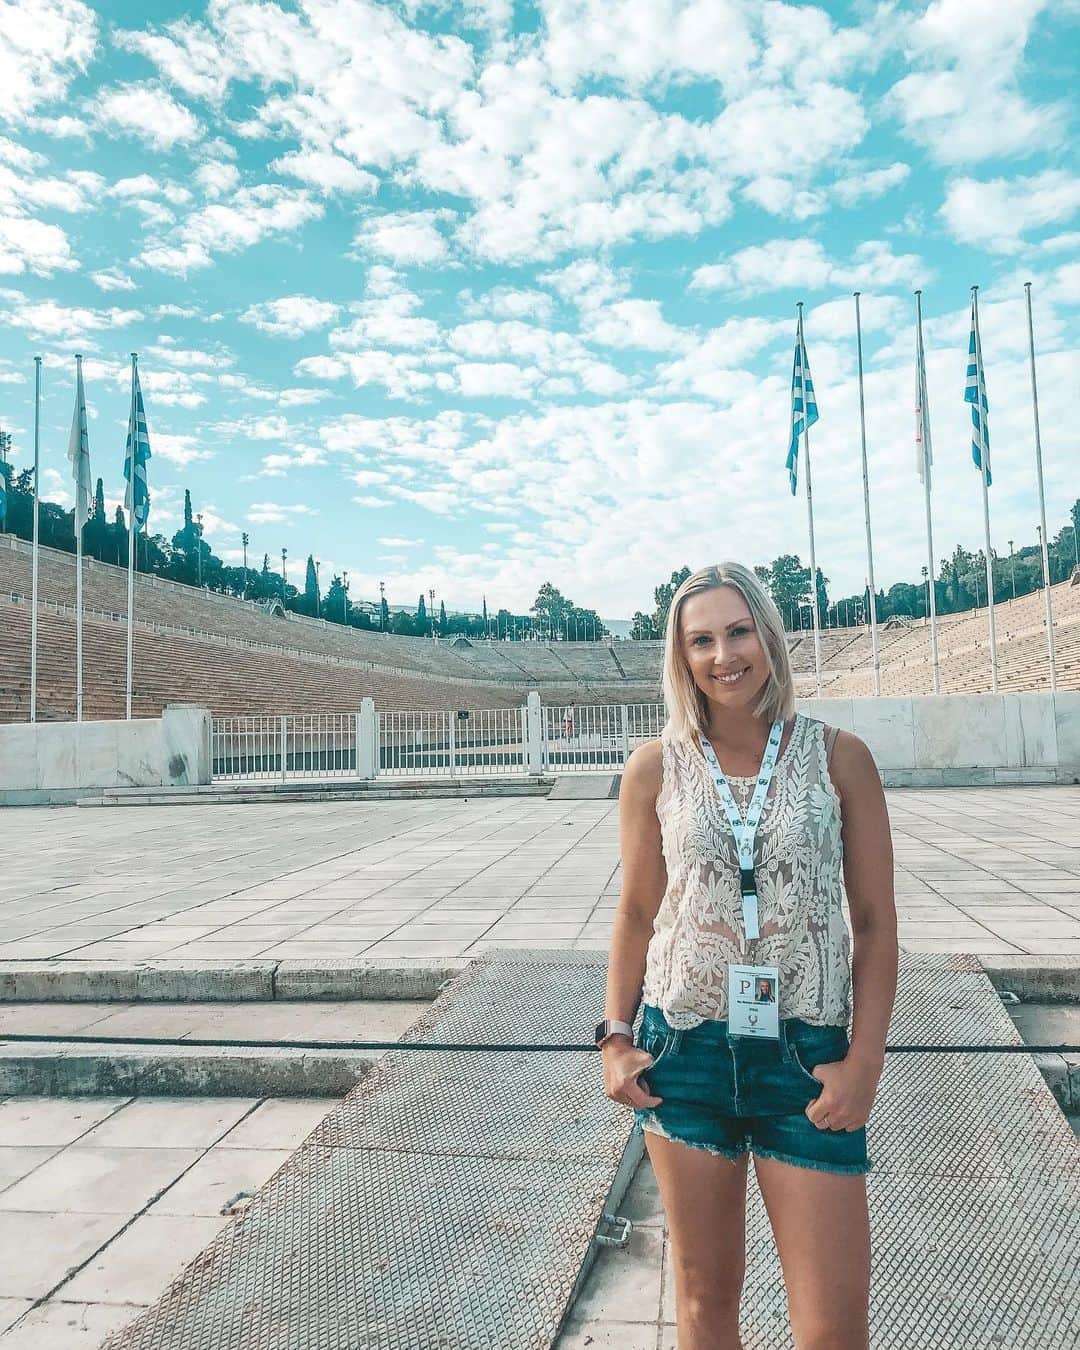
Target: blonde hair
687,706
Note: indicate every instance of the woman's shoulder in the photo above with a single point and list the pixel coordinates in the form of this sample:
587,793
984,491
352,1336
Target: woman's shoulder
644,769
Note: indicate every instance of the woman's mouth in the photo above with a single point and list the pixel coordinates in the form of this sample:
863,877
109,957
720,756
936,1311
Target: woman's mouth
733,678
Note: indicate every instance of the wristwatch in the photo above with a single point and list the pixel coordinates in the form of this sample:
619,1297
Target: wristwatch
610,1028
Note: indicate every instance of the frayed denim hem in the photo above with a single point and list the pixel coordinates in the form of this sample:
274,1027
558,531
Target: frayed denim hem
652,1124
847,1169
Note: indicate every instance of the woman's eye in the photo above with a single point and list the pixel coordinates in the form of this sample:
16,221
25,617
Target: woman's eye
739,632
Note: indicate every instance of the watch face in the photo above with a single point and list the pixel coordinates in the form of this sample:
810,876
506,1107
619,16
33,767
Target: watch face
601,1031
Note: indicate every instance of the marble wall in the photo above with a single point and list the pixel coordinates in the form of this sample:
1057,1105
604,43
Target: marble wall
963,738
154,752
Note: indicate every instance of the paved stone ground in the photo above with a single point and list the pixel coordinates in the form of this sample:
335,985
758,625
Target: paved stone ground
103,1200
979,870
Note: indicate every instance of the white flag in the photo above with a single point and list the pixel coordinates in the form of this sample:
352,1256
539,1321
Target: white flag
79,453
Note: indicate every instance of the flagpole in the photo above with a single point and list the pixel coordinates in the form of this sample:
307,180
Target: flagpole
931,588
34,563
866,506
1042,498
79,396
133,429
810,514
980,378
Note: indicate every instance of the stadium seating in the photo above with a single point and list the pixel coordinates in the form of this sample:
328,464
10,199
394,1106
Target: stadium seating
198,645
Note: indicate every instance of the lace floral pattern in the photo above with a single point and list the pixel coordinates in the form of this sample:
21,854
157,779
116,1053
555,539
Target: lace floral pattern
798,854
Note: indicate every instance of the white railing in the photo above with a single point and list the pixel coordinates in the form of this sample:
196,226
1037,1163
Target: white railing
490,742
296,745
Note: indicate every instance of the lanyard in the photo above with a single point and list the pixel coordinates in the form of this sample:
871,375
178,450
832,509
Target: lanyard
744,831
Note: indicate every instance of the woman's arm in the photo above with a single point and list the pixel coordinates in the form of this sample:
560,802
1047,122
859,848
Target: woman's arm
868,879
644,880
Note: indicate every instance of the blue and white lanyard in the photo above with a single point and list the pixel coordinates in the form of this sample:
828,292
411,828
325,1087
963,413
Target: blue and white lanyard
745,831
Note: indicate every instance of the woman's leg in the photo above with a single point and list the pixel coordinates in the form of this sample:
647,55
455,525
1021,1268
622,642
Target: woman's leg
821,1224
704,1196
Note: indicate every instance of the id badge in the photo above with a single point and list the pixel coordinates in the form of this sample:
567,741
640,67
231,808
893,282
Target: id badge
754,1001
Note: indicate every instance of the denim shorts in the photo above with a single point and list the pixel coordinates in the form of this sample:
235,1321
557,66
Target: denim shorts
726,1094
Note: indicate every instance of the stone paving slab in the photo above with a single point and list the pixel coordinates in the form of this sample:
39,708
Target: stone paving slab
983,870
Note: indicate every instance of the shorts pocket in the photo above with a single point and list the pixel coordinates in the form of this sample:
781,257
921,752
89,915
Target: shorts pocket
818,1049
657,1043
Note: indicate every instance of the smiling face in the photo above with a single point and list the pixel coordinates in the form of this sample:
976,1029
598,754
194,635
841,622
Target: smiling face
722,649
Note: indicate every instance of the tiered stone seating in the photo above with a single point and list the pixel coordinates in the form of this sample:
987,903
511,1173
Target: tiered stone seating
232,681
237,658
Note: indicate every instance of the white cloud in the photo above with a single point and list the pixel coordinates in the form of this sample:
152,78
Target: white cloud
112,279
28,245
330,172
637,324
251,214
291,315
803,264
44,44
507,302
48,319
856,187
216,177
407,238
177,449
188,359
966,104
148,113
995,214
187,55
780,197
496,379
270,513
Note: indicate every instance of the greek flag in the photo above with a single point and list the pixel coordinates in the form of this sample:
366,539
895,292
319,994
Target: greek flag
924,455
803,405
79,453
5,469
975,394
137,496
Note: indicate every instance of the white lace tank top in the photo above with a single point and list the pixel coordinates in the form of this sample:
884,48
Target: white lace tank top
798,853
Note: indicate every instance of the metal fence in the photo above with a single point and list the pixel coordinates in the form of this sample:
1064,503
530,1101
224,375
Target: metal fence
488,741
292,745
492,742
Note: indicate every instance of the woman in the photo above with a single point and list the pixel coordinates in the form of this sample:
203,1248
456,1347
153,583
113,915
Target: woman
698,932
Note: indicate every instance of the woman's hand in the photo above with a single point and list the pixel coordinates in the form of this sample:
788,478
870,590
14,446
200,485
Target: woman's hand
623,1065
848,1094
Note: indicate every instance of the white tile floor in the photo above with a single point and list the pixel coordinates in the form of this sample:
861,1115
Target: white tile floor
977,870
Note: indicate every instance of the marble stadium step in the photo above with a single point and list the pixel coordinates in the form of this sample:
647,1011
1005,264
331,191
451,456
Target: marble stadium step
116,1066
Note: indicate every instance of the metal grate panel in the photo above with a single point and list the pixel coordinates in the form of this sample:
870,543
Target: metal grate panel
364,1250
450,1201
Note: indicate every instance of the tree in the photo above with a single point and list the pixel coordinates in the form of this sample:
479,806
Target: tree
641,629
789,584
336,605
120,537
823,597
663,596
97,532
312,599
384,615
442,618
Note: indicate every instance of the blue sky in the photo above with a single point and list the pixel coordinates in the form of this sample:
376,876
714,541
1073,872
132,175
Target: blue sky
475,296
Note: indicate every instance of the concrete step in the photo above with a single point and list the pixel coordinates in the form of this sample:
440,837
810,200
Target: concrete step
304,1066
325,790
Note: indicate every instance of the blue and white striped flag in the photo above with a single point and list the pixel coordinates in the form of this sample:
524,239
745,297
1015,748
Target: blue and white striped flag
137,496
804,411
79,453
975,394
5,470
